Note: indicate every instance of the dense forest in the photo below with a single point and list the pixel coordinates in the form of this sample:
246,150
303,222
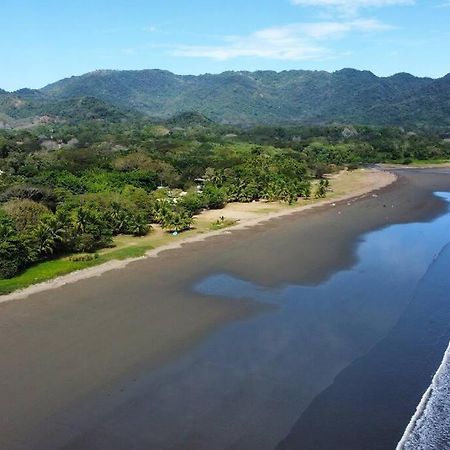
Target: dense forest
68,188
252,98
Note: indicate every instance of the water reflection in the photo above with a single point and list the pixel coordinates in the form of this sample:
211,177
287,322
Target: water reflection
291,353
247,384
395,256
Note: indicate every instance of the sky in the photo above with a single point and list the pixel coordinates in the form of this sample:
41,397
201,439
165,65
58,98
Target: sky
42,41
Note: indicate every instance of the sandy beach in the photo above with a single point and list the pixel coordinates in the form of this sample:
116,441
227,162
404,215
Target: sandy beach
243,214
76,344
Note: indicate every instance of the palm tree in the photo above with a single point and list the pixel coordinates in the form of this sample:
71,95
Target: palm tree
177,221
48,234
214,176
162,209
138,226
119,218
81,220
321,191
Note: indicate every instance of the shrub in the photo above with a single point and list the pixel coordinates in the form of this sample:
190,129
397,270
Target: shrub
13,253
84,257
89,243
177,221
214,197
193,202
25,213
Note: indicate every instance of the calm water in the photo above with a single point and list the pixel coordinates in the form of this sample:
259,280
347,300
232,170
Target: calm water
316,331
339,365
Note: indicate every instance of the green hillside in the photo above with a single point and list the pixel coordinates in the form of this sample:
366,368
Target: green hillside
263,97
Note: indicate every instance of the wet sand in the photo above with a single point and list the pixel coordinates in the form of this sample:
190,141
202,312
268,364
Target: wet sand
350,185
71,354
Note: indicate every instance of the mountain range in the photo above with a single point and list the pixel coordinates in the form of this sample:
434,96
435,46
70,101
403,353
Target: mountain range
262,97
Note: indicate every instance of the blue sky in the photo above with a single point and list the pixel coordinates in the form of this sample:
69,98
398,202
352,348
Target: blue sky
45,40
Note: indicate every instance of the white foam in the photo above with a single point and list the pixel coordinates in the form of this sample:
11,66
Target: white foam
429,428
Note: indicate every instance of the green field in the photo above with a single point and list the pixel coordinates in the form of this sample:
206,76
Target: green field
48,270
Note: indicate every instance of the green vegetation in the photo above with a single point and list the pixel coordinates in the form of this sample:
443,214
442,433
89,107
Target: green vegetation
221,223
71,188
251,98
50,269
67,189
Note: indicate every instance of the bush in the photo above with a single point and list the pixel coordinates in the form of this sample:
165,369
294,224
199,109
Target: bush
353,166
193,202
13,253
214,197
12,257
222,223
37,194
84,257
25,213
89,243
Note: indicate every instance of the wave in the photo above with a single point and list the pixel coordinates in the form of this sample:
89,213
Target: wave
429,428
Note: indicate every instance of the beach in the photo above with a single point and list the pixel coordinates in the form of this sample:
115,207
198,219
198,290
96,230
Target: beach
84,357
345,185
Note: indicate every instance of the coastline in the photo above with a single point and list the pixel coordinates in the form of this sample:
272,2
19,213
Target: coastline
419,165
414,431
371,402
376,179
89,345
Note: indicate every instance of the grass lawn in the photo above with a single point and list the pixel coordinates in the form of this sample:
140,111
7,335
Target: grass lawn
47,270
124,247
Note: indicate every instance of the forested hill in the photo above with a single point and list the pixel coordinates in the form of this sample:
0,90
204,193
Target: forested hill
345,96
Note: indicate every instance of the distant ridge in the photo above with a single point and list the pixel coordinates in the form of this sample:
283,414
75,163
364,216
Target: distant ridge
261,97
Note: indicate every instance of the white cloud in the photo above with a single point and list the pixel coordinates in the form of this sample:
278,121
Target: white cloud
353,3
351,7
299,41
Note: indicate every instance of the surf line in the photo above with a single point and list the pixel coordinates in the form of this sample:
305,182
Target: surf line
422,407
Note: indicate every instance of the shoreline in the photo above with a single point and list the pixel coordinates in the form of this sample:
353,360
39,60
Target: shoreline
91,346
425,165
385,178
389,380
421,411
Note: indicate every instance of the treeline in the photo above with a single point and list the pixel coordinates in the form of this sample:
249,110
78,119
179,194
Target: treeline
355,144
63,200
68,189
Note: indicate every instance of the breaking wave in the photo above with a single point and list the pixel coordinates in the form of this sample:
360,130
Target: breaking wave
429,428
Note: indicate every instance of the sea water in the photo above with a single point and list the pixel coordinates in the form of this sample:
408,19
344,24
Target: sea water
343,319
338,365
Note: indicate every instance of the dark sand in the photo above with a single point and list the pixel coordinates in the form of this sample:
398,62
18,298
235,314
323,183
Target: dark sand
69,354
